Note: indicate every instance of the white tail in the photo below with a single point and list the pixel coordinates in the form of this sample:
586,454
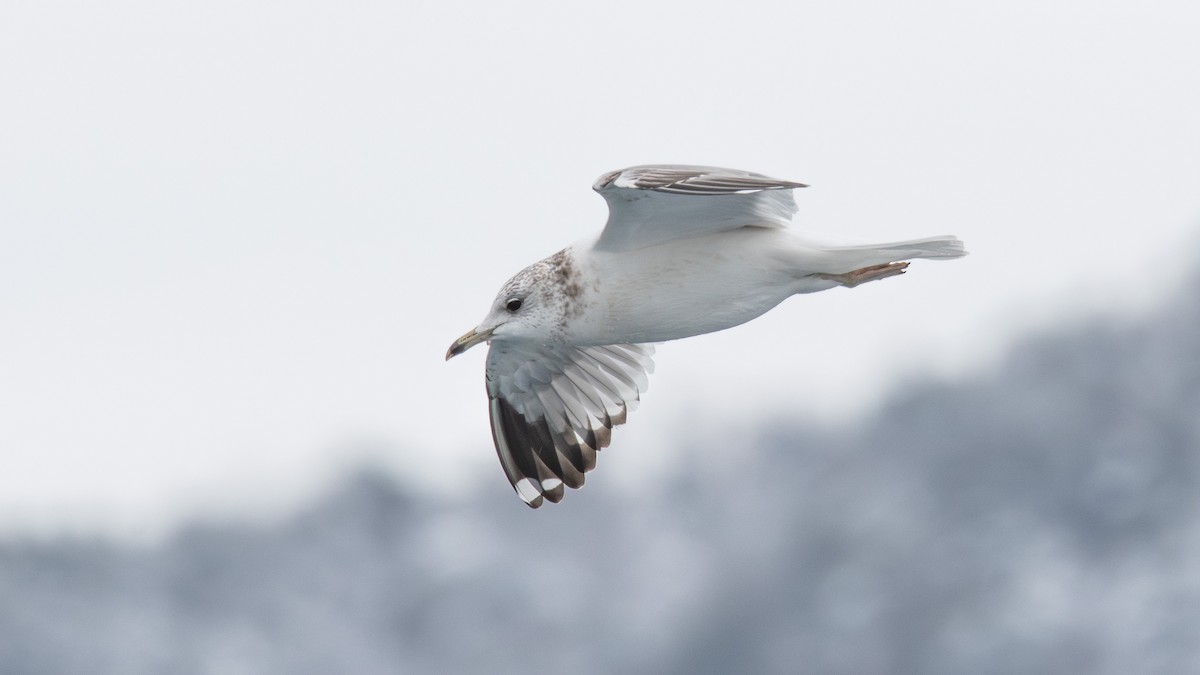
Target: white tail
938,248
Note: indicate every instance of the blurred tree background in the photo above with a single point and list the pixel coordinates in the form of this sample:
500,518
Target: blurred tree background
1042,517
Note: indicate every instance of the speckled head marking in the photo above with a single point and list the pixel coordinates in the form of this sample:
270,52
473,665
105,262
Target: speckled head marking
540,301
568,286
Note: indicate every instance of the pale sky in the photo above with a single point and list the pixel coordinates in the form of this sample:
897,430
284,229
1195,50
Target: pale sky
236,238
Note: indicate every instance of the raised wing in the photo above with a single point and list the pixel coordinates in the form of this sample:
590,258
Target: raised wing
554,407
649,205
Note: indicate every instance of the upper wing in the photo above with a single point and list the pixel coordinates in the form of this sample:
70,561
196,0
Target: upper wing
649,205
554,407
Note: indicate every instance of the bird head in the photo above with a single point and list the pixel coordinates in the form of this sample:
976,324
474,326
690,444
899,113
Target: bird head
521,311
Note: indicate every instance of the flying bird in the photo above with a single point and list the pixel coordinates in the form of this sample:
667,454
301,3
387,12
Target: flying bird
686,250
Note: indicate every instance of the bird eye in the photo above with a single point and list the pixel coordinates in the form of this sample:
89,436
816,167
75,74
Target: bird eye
513,305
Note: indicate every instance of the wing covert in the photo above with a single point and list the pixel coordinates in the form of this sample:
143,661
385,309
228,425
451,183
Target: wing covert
653,204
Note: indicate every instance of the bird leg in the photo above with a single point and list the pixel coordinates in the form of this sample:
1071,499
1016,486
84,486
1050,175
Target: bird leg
862,276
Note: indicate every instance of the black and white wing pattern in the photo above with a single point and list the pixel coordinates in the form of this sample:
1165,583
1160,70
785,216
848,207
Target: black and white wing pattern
650,205
553,408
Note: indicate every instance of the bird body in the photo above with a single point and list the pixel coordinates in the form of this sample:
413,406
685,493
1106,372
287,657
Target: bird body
706,283
687,250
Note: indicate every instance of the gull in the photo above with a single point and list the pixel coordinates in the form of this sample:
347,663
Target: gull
686,250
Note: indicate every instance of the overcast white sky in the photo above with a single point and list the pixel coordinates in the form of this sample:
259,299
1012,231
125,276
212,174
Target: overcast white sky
236,238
